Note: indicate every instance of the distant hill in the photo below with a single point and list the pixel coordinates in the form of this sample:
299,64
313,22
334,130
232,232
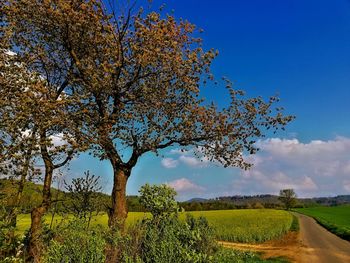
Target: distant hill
32,196
197,200
327,201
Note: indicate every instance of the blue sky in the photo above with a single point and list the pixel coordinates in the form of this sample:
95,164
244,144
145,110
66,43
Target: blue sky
297,49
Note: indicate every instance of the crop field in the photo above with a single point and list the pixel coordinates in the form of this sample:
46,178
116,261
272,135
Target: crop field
248,225
336,218
23,220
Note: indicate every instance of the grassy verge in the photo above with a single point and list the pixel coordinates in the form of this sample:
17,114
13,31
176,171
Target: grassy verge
295,224
336,219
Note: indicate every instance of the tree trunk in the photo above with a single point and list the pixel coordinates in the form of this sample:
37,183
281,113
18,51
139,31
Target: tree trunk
35,242
118,211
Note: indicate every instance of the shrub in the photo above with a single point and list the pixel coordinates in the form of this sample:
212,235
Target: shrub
74,243
174,241
159,200
166,238
11,247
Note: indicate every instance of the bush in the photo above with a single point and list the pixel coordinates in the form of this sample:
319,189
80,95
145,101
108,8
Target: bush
174,241
74,243
159,200
166,238
11,246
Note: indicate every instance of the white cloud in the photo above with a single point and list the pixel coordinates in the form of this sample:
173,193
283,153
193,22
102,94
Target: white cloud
184,185
186,157
58,140
179,152
314,168
194,161
169,162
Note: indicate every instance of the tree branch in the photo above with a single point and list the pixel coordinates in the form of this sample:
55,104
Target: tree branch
68,158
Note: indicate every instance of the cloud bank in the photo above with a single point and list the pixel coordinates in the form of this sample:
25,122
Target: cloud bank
184,157
314,168
185,186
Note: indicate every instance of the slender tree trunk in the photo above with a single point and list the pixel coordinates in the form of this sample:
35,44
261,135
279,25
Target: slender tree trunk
14,211
27,157
35,243
53,215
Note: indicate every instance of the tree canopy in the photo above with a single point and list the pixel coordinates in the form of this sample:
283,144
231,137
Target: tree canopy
134,77
288,198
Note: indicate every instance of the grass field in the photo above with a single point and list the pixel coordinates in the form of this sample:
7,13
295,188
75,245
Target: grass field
248,225
336,218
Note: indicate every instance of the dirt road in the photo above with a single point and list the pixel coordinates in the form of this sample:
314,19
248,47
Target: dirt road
313,244
319,245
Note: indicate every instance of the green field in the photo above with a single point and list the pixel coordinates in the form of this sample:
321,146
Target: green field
335,218
248,225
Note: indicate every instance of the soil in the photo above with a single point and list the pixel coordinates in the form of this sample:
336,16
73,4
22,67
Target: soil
312,243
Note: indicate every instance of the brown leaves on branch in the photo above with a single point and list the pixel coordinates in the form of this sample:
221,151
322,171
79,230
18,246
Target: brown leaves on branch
138,78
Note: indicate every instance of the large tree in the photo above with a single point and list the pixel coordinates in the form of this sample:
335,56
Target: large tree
140,75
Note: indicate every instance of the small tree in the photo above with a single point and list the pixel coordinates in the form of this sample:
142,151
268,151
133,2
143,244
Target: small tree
34,113
288,198
83,193
159,200
166,238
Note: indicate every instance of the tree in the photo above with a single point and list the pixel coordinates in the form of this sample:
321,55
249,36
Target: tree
165,236
159,200
140,77
17,139
83,196
34,122
288,198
